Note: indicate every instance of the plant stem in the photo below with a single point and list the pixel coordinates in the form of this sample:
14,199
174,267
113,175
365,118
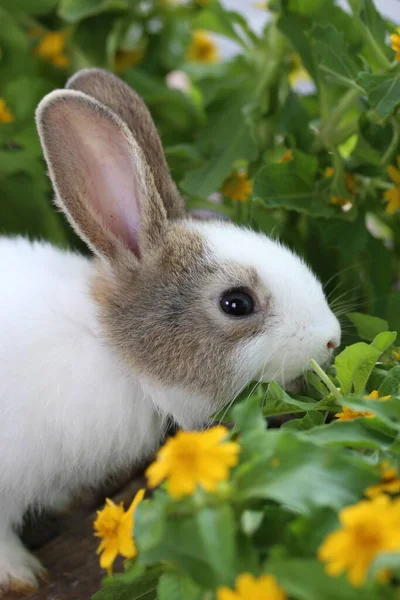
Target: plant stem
329,128
324,377
345,132
343,106
387,157
380,57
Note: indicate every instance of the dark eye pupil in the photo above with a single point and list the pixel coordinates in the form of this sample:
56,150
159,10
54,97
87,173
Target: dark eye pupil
237,303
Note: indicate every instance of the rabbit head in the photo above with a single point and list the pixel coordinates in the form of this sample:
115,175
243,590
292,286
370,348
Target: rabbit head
196,309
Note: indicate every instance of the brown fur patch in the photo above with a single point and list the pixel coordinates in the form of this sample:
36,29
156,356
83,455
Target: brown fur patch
127,104
165,319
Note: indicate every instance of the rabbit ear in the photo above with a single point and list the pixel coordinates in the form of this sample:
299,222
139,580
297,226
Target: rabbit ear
125,102
101,179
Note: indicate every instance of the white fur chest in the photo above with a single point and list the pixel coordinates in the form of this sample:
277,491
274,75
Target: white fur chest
71,413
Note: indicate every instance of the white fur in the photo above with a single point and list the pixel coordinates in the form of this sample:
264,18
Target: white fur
71,413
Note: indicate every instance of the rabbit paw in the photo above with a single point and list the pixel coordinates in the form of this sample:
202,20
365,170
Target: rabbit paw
20,571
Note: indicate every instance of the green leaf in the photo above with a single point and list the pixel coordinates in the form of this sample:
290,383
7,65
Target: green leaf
357,433
354,365
38,7
390,386
248,415
75,10
334,58
306,579
289,185
177,587
294,27
278,402
383,91
374,22
216,18
26,207
179,544
217,530
303,475
237,144
384,340
308,8
135,584
310,420
367,327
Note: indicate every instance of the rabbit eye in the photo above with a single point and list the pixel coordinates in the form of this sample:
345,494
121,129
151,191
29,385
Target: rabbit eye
237,303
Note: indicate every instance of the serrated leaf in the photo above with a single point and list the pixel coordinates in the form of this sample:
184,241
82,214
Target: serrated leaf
383,91
333,56
289,185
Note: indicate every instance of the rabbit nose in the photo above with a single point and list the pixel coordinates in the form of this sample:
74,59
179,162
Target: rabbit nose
332,344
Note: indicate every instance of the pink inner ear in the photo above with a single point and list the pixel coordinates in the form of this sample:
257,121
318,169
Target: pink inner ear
112,181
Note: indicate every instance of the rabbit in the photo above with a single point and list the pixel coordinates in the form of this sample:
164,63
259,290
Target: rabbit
169,319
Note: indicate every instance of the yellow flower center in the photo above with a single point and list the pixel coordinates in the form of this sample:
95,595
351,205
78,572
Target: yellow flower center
202,48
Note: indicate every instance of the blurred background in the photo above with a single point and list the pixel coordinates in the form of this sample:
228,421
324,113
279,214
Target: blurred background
240,103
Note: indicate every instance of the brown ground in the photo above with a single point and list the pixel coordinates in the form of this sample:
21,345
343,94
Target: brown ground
67,549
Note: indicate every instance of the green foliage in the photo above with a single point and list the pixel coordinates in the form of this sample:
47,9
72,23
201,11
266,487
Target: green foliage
327,201
282,499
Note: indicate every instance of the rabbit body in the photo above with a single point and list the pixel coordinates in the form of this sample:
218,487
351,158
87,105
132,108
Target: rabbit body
172,318
65,391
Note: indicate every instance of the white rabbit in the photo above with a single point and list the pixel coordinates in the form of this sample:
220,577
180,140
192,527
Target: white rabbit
171,318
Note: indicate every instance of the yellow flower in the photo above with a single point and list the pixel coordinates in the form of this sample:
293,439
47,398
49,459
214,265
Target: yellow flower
297,72
390,481
126,59
349,414
52,48
286,157
374,395
193,458
395,43
202,48
237,186
115,527
368,528
250,588
6,116
392,196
